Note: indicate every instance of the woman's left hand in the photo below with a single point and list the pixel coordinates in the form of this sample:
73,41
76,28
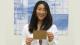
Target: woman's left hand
50,36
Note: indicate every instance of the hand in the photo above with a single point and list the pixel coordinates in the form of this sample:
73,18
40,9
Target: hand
28,41
50,36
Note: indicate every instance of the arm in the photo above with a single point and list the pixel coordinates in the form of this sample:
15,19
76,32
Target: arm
54,31
26,36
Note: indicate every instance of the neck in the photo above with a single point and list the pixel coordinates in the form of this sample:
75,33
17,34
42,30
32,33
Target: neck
39,22
39,25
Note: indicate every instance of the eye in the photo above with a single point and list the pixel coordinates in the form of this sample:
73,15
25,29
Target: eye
44,10
39,9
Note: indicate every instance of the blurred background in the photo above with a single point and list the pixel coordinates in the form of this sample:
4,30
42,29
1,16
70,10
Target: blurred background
23,11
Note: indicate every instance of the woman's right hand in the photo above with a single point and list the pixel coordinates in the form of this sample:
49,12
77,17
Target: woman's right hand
28,41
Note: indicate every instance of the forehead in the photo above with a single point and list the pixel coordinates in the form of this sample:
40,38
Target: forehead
41,6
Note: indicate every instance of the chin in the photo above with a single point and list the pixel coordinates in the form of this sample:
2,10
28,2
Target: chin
41,19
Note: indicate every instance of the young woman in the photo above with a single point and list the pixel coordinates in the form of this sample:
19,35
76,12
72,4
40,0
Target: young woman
41,20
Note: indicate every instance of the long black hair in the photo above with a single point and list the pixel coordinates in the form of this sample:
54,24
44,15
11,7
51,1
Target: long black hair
47,21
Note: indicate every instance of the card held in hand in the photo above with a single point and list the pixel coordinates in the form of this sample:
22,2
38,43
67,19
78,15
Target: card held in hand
41,34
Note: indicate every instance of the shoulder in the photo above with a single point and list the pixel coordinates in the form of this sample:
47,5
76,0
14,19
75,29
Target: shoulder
52,28
54,25
27,33
26,26
26,30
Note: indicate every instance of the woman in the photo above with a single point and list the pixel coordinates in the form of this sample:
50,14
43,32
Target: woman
41,20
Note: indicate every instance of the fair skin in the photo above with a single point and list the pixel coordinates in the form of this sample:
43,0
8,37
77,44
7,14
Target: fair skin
41,14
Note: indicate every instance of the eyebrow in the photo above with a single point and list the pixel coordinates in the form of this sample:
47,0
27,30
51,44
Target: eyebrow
40,7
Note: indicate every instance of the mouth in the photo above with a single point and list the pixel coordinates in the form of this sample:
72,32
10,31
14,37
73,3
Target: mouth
41,15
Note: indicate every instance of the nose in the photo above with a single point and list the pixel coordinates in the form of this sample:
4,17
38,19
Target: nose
42,12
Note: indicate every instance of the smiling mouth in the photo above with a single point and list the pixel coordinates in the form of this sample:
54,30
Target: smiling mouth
41,15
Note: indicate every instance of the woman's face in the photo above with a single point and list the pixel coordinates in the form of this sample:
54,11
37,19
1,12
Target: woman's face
41,12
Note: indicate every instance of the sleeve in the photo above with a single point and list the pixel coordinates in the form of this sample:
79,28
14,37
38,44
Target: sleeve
25,34
54,30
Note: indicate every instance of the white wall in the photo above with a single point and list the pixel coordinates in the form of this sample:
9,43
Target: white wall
6,24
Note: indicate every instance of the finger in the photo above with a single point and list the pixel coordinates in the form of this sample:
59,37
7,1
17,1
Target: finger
50,33
50,36
28,43
50,39
28,40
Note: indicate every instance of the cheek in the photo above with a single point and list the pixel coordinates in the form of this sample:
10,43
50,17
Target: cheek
37,12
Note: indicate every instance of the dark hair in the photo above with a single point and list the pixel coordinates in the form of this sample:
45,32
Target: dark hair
47,21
